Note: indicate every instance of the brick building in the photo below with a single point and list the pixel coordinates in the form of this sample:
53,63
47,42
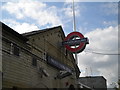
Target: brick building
37,59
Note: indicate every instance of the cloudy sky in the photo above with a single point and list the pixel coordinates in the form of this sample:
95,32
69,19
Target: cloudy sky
97,20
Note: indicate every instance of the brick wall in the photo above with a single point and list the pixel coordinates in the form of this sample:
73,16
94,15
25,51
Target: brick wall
18,71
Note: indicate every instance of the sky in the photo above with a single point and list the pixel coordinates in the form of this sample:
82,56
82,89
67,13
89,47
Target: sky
97,20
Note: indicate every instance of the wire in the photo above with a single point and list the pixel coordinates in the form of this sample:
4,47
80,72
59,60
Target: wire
96,49
100,53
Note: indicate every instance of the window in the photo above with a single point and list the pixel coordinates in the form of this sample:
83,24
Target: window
34,62
16,50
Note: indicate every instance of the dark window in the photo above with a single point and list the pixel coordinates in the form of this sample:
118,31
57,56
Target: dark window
16,50
34,62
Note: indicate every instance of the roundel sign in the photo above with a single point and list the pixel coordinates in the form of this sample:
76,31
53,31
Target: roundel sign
75,42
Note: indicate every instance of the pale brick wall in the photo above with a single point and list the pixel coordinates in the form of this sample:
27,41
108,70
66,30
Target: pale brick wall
19,71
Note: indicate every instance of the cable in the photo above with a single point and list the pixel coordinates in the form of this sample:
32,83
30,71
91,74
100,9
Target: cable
100,53
96,49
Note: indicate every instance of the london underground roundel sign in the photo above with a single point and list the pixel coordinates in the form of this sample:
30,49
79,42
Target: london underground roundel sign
75,42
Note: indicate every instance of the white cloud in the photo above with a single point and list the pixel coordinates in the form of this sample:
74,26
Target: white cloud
42,14
110,23
35,10
104,38
20,27
110,8
103,41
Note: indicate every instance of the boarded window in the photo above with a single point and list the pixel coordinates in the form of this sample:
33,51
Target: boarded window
34,62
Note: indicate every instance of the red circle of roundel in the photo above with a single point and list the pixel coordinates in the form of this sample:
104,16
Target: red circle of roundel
80,47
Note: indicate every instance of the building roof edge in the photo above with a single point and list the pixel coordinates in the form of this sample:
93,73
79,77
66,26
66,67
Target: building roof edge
8,29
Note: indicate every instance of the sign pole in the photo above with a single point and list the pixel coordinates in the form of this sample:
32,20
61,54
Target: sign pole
74,24
74,29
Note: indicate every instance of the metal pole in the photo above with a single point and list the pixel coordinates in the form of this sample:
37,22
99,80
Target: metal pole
74,29
74,24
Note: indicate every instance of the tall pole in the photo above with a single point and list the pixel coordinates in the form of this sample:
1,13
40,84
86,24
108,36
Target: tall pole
74,29
74,22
